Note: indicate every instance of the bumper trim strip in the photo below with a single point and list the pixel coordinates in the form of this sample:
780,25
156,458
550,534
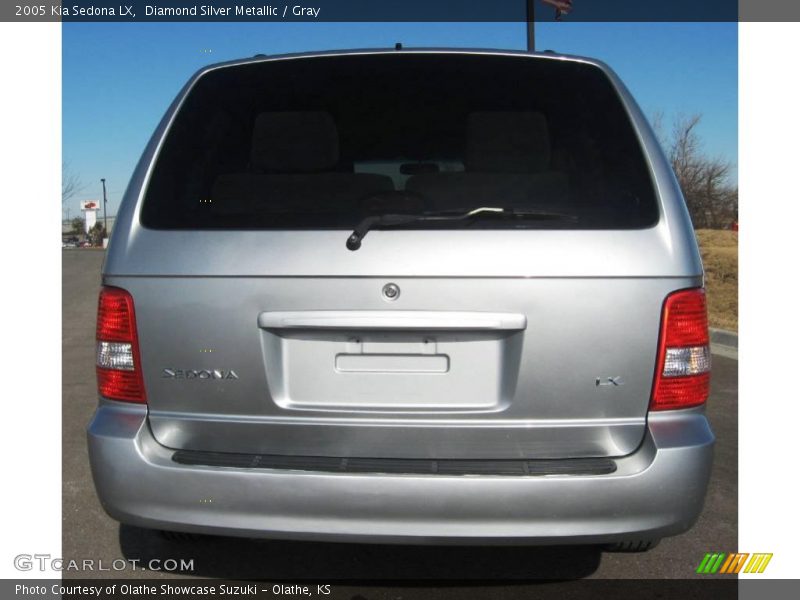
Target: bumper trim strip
507,467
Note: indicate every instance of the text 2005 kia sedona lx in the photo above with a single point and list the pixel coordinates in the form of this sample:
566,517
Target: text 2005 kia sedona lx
404,296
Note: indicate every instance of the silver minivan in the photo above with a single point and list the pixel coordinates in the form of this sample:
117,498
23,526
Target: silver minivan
415,296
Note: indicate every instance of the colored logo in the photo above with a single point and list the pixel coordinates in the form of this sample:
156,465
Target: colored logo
732,564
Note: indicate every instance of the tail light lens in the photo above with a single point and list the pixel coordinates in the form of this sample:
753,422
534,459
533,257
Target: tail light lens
119,367
684,358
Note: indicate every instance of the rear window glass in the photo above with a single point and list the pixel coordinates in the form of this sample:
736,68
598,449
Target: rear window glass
324,142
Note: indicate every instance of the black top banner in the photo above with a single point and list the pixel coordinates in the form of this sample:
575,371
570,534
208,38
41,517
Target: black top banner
398,10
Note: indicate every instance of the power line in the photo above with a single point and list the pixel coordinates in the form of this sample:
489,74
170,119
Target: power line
94,197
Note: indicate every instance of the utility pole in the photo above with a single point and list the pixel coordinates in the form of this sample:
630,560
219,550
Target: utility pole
529,19
105,212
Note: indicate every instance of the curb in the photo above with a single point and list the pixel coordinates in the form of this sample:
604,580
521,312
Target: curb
725,343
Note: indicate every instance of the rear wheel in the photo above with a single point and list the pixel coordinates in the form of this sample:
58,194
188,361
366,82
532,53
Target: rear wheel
632,546
180,536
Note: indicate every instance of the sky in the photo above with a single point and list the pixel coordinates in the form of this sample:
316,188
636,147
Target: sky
119,78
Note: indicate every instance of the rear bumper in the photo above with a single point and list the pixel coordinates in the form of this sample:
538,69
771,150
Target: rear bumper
655,492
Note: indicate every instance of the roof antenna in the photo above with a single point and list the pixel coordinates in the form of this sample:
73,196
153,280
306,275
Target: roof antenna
530,22
398,46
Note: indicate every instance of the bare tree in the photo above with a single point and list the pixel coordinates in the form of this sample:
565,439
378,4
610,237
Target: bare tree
712,200
71,184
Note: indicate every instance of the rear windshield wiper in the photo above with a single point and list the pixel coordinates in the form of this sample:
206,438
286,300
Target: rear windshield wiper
393,220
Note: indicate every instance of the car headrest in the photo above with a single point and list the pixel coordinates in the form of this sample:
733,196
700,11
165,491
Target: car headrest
294,142
507,142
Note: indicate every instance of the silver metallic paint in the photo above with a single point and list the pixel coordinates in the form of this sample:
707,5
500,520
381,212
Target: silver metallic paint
655,492
591,303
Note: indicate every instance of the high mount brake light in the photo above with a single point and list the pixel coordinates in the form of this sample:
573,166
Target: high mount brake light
684,358
119,367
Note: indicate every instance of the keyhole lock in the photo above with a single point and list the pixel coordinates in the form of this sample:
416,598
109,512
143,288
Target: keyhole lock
391,292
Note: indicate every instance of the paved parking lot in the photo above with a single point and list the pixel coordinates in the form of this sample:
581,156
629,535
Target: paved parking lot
89,533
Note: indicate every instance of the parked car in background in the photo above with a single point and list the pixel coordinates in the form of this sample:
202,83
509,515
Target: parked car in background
418,296
69,242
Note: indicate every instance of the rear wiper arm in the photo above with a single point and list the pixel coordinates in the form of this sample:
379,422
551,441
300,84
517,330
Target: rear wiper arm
390,220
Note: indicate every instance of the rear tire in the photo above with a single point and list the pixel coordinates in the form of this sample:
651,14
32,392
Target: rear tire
632,546
180,537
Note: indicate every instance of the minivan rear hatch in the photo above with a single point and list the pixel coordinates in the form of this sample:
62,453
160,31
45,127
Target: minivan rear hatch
494,336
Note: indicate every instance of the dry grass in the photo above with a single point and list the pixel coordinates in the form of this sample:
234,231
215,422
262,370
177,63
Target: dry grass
720,250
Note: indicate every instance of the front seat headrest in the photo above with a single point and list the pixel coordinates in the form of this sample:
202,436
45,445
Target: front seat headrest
507,142
294,142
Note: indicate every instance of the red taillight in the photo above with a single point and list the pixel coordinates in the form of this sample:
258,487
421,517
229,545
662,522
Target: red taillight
684,357
119,367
